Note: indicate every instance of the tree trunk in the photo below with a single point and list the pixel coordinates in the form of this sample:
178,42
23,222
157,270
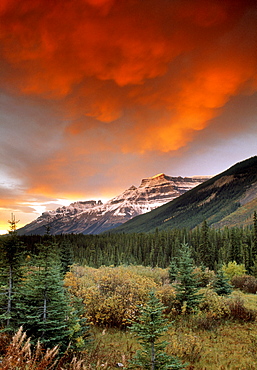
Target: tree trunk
152,356
45,307
9,300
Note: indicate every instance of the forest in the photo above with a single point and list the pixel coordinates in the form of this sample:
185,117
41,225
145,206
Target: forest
175,299
210,247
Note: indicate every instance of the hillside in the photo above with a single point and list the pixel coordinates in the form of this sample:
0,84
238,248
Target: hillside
228,199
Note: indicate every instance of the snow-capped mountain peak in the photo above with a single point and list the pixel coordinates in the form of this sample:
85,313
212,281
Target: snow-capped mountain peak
93,217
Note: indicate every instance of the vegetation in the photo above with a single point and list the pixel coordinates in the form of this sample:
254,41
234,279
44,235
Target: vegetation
154,249
10,274
221,284
63,289
186,287
149,328
229,345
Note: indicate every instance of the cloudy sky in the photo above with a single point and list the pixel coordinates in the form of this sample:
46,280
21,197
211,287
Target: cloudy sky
97,94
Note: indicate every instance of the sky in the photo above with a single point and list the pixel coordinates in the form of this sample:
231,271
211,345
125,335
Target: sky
97,94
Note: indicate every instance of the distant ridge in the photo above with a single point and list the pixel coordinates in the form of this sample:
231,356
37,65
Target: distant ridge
228,199
94,217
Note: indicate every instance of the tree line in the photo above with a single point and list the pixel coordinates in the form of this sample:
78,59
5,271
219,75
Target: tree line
210,247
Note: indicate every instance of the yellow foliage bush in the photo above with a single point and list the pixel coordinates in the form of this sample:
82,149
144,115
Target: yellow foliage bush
159,275
233,269
111,294
213,303
167,295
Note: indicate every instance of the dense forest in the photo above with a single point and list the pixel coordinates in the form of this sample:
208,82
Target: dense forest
210,247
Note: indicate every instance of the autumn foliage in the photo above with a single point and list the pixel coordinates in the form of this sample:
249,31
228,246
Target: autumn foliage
112,295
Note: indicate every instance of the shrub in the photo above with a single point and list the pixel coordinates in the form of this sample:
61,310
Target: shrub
111,294
167,295
233,269
214,304
238,311
159,275
246,283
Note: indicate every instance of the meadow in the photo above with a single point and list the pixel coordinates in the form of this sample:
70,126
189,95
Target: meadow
220,335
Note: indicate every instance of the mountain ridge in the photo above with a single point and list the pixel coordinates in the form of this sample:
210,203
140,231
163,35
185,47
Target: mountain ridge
219,200
93,217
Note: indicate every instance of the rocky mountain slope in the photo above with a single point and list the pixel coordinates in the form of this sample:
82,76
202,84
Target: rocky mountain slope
94,217
228,199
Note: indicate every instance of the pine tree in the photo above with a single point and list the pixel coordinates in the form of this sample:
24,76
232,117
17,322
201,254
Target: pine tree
149,329
11,251
186,289
221,284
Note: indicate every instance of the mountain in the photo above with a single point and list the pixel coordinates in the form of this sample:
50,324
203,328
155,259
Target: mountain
91,217
228,199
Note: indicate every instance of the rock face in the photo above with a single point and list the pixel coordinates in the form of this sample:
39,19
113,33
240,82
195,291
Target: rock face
94,217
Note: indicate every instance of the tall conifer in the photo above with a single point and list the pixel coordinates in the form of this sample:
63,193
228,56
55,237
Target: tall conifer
149,329
186,289
254,248
10,273
43,308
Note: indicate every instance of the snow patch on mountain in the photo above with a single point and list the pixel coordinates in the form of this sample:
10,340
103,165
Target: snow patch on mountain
93,217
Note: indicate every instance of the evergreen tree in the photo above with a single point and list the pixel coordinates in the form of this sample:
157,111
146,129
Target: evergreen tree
187,288
235,246
149,329
10,273
205,251
66,256
221,284
43,308
173,270
79,329
254,247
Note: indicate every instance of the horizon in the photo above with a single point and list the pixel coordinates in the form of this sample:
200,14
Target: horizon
99,94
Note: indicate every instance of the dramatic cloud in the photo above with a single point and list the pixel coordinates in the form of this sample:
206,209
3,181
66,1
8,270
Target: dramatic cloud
98,93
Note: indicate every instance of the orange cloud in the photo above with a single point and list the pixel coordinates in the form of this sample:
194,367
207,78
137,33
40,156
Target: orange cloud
124,76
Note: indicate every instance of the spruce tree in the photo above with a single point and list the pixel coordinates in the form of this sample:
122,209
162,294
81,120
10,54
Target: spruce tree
66,256
173,270
11,251
149,329
221,284
187,288
205,250
43,307
254,247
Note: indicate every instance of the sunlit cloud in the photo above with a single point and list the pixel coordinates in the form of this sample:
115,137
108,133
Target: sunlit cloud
96,94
